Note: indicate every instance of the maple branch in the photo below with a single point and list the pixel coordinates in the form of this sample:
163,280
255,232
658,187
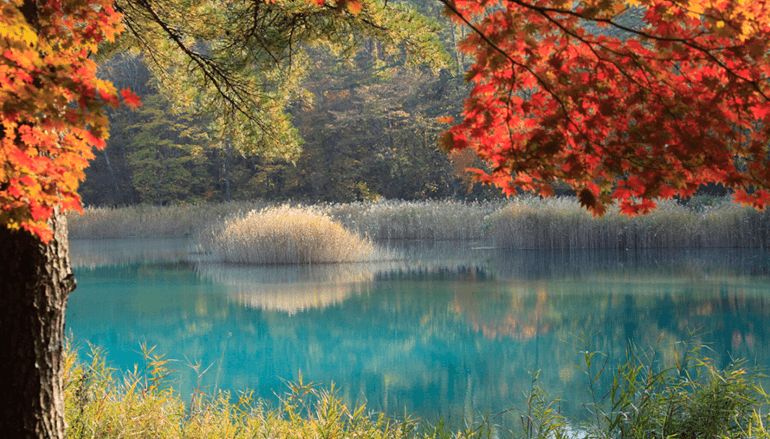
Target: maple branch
497,48
687,42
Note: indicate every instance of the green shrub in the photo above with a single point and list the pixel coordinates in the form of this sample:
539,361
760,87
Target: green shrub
688,398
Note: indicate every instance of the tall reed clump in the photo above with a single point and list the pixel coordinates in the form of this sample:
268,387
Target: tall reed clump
285,235
531,223
405,220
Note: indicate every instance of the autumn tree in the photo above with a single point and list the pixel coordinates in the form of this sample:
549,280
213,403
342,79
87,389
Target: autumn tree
624,111
232,59
52,115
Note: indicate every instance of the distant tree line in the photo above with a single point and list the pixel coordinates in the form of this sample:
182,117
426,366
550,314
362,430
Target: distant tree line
369,130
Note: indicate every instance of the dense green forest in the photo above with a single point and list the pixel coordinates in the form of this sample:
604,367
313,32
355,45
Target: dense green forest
368,125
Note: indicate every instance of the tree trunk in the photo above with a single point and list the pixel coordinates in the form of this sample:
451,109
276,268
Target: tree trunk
35,280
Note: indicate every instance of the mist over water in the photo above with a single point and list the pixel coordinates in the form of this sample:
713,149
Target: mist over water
449,330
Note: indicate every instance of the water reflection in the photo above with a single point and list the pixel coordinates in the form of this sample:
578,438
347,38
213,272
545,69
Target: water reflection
448,330
92,253
287,288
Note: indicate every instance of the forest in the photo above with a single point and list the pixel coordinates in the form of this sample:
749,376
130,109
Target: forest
368,129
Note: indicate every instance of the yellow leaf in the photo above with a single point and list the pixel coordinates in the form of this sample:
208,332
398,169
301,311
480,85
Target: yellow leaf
18,30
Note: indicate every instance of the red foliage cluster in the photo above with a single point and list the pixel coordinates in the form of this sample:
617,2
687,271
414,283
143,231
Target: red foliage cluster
622,113
52,105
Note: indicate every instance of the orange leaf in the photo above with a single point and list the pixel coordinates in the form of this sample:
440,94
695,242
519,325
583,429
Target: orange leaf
40,212
130,99
354,7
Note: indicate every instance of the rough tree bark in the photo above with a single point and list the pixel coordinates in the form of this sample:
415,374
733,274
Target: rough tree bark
35,280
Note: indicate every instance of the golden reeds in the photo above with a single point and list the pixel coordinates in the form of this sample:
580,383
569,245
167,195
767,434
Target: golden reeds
285,235
145,220
523,222
397,220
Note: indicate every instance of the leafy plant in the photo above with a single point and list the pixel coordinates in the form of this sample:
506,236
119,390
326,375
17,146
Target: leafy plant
688,398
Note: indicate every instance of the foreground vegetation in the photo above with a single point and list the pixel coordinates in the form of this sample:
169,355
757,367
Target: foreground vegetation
686,398
523,222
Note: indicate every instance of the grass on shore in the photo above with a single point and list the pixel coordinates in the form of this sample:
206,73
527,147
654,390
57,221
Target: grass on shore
688,398
524,222
144,404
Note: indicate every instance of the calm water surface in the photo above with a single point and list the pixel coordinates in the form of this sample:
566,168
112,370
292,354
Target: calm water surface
453,330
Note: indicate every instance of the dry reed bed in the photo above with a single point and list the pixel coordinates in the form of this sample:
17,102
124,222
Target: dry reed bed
529,223
404,220
145,220
524,222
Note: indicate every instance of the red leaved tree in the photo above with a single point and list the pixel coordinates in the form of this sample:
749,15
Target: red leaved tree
626,101
52,115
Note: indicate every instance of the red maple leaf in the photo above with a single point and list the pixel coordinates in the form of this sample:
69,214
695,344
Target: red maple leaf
130,99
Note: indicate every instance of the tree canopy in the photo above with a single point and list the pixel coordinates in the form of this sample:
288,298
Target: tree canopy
238,62
241,62
52,105
627,101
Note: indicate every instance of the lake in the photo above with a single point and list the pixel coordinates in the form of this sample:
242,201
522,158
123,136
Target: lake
451,330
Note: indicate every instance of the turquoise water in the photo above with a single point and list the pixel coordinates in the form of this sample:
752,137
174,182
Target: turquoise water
451,331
